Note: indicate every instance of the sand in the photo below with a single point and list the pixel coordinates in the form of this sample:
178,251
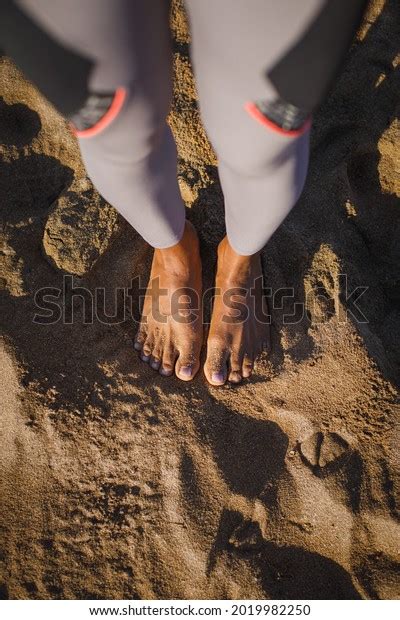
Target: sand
118,483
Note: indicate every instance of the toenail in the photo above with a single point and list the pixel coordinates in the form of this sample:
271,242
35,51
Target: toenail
235,377
186,371
155,364
137,345
165,371
217,377
145,358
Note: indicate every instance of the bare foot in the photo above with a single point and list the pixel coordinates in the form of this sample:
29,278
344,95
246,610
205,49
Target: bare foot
170,333
238,330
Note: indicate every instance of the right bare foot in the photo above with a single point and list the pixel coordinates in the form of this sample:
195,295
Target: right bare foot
170,333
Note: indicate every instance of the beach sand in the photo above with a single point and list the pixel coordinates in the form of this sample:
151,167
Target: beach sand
116,483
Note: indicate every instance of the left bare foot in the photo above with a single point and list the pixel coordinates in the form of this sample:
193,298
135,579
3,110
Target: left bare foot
238,331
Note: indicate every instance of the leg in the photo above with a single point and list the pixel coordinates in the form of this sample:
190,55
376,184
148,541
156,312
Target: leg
132,160
262,172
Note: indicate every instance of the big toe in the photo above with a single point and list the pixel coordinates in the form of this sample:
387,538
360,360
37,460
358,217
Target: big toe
216,367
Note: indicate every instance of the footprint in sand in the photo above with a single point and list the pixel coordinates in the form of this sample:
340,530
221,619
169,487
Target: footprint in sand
247,536
323,450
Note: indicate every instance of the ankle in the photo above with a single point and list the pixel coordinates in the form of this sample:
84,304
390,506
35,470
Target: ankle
232,262
182,255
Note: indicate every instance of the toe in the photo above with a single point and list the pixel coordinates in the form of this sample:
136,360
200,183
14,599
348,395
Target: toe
187,364
168,361
155,362
140,338
235,369
215,367
147,350
248,365
156,356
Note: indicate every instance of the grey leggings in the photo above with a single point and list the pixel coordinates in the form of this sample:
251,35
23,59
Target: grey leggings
133,162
